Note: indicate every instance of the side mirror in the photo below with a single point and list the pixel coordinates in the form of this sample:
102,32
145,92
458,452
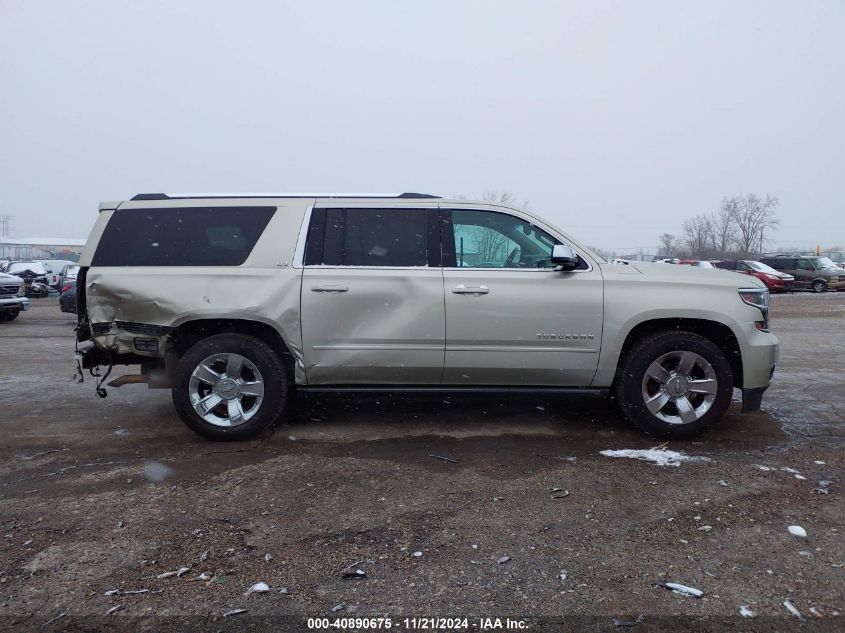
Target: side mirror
564,256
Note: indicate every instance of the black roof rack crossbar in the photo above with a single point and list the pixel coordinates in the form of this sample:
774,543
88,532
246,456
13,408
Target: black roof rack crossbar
151,196
164,196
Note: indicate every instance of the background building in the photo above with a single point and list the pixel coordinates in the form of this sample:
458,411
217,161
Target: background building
26,248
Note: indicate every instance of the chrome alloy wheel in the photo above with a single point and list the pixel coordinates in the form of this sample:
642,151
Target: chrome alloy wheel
226,389
679,387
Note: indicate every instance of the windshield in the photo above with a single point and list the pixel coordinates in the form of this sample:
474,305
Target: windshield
822,262
761,267
35,267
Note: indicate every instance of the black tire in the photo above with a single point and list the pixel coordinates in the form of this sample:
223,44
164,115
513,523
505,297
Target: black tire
819,286
9,315
643,354
265,359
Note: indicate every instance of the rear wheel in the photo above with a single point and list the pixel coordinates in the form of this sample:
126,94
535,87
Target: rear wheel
230,387
9,315
674,385
819,286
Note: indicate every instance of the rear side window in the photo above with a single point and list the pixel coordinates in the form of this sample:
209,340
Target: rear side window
725,265
181,236
368,237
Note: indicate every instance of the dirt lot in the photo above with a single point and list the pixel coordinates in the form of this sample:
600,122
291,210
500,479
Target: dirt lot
98,495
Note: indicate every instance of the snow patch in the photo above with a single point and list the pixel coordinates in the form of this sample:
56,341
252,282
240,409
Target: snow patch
792,610
659,456
259,587
683,589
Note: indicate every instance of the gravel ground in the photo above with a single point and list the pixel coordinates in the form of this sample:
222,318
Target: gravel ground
527,520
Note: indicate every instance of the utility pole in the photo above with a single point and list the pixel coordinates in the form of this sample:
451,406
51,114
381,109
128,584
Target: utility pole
5,225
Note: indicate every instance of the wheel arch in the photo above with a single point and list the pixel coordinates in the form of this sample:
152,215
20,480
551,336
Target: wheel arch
192,331
718,333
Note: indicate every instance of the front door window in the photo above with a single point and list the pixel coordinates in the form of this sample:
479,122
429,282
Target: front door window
486,239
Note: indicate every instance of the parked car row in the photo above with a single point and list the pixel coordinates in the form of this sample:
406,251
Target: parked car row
37,280
775,281
51,273
817,273
14,300
781,273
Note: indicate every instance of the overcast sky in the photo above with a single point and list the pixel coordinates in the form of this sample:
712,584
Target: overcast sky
614,119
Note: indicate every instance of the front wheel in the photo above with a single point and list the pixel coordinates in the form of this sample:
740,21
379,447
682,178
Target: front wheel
674,385
9,315
230,387
819,286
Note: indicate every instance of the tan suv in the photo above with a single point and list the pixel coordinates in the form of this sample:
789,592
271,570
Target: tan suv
232,301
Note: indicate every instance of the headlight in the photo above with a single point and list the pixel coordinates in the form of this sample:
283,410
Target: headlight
22,290
759,298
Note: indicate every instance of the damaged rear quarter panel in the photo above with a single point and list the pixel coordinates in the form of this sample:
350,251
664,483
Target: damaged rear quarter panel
266,288
173,296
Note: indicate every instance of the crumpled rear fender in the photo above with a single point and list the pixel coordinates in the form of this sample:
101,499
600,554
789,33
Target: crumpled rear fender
168,298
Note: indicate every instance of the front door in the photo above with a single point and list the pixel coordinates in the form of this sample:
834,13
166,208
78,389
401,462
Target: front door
511,318
372,297
804,273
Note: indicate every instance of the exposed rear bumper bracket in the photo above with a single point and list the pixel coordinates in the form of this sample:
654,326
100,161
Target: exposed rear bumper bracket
96,356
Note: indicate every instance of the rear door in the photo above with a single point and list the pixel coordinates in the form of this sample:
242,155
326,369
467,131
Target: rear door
372,296
511,318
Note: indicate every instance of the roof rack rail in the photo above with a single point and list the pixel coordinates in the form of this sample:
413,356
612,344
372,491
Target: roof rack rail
189,196
150,196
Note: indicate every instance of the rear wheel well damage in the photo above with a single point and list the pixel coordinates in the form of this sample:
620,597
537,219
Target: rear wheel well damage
187,334
718,333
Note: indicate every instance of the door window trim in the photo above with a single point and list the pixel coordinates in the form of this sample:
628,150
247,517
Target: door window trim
299,251
444,215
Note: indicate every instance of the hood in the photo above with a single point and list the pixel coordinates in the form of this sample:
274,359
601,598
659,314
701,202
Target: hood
674,273
6,278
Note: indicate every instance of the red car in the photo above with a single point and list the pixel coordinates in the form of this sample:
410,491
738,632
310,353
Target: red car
698,263
775,280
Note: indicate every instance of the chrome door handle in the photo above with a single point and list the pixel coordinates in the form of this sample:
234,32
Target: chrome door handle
470,290
329,289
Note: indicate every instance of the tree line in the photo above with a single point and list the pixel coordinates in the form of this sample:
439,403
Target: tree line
737,229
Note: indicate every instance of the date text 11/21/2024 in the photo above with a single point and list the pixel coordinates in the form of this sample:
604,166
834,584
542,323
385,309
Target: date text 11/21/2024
419,623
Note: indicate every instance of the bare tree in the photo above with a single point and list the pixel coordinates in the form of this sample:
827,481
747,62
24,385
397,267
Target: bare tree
503,197
698,235
668,244
753,217
602,252
724,227
489,243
